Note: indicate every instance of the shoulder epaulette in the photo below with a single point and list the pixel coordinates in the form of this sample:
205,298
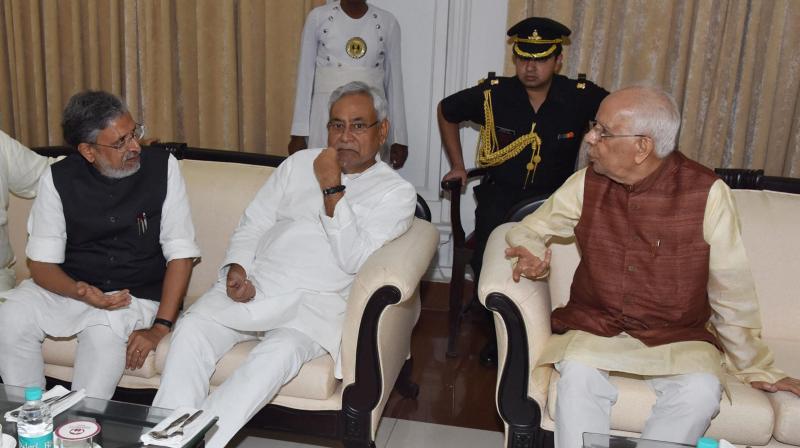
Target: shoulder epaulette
491,78
581,84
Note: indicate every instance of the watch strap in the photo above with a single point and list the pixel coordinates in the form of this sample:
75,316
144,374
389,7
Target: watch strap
333,190
164,322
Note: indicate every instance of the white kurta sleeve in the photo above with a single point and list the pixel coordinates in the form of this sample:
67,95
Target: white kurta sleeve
257,220
47,229
177,231
25,167
306,68
355,236
731,292
393,86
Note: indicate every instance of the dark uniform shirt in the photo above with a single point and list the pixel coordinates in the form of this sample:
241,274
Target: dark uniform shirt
561,121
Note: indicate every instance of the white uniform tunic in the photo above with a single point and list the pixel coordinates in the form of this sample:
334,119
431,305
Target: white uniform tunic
302,262
20,169
325,65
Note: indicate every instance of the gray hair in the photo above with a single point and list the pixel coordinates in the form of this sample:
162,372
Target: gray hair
656,114
87,113
361,88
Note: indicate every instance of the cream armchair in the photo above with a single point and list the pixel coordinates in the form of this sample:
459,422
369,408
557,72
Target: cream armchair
522,317
382,309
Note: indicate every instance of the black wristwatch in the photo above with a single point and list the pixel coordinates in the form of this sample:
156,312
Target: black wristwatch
333,190
164,322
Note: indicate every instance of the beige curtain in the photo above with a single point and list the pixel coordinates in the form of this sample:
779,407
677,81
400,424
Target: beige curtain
212,73
733,66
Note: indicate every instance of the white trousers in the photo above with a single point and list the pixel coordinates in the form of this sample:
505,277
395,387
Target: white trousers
685,405
199,342
99,361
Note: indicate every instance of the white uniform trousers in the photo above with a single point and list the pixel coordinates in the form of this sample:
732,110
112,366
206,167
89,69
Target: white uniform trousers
196,346
99,361
685,405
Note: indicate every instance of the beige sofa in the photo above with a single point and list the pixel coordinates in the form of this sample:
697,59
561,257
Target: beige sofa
522,315
383,308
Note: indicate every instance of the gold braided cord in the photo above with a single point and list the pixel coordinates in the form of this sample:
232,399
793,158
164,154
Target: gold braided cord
543,54
489,154
537,41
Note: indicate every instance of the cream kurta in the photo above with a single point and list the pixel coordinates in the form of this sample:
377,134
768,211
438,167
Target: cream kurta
735,315
20,169
301,261
325,65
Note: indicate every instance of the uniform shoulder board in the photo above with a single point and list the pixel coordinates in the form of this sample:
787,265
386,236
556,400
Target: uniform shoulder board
491,78
581,84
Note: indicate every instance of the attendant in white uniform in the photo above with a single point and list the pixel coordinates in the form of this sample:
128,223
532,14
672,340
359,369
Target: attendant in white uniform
290,265
110,252
343,41
20,170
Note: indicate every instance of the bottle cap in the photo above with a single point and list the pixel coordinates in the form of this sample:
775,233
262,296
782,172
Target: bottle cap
707,442
33,393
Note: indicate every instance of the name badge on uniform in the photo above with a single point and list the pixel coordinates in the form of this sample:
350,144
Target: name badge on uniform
356,48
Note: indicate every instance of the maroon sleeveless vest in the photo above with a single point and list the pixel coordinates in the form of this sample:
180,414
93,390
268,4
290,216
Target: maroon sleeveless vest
644,262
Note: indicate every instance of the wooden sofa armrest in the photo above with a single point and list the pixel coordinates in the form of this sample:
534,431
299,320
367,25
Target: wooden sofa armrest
522,324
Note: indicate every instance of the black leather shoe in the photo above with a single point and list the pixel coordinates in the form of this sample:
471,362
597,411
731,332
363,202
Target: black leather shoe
488,354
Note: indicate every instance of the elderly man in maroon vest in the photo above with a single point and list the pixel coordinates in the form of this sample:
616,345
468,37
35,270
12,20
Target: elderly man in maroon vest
661,257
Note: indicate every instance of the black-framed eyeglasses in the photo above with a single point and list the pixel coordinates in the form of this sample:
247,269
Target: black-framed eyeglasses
137,133
356,127
601,131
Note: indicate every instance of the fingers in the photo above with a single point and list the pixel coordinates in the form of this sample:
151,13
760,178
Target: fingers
528,265
119,299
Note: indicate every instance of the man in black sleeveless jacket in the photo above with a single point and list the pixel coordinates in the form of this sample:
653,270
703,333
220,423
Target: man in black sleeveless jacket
110,250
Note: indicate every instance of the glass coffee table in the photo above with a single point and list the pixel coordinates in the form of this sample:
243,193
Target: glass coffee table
592,440
121,423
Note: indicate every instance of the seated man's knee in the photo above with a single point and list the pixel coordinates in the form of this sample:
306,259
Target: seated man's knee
15,321
704,391
577,379
100,338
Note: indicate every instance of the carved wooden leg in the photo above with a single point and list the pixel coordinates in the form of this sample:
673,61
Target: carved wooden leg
404,385
460,259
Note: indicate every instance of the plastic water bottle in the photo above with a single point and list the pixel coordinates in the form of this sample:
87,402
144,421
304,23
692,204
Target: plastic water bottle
35,424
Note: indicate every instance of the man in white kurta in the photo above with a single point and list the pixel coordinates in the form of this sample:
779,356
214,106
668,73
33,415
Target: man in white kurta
342,42
100,268
20,169
288,271
637,156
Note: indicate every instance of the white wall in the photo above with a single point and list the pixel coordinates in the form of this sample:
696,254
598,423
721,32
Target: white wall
448,45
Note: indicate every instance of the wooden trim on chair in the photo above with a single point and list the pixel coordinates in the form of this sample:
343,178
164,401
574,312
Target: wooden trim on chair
360,398
520,412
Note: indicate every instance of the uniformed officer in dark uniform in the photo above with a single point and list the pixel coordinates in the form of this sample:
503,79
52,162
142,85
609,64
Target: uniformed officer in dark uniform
532,125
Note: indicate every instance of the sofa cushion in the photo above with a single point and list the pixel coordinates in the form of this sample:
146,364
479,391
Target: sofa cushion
785,404
61,352
769,225
215,214
748,422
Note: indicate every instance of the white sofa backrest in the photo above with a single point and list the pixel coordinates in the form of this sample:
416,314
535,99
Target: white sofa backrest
769,222
218,193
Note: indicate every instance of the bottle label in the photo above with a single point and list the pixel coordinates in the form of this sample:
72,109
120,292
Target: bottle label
44,441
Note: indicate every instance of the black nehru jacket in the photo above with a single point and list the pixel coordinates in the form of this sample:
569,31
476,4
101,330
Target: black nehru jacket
561,121
114,225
